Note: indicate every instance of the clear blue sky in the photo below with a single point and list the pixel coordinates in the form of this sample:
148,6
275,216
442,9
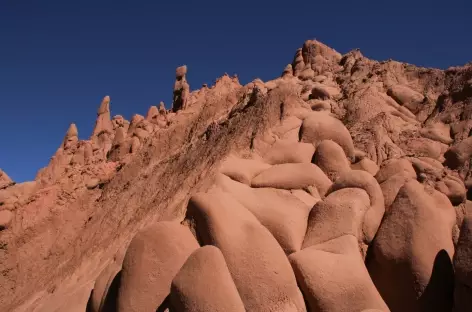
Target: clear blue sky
59,58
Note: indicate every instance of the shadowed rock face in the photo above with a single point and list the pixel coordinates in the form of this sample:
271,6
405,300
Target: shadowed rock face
342,185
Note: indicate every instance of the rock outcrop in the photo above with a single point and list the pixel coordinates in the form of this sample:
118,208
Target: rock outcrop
5,180
181,89
103,131
343,185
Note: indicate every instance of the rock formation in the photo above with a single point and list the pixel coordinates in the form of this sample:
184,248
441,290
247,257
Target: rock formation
5,180
71,138
103,131
343,185
181,89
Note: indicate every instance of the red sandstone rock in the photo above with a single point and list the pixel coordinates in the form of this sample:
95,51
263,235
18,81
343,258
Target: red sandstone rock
242,170
340,213
319,126
363,180
103,126
333,277
459,153
71,138
463,266
152,260
204,283
5,219
367,165
181,89
330,158
259,267
282,213
293,176
5,180
287,151
364,118
411,254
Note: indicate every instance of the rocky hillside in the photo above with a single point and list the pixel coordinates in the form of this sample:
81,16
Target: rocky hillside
340,186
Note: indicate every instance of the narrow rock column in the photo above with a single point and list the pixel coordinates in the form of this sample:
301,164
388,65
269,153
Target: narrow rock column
71,138
103,130
181,89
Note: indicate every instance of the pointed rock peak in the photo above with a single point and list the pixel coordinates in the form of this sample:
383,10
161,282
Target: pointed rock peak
235,78
152,112
136,118
72,131
162,107
103,124
312,48
104,106
5,180
288,71
356,53
72,136
181,71
298,64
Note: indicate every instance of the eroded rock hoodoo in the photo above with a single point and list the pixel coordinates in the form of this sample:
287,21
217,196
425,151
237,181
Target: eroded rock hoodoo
181,89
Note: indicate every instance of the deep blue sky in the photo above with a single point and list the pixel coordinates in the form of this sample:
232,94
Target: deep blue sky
59,58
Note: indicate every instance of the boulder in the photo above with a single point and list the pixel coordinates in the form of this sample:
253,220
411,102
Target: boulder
259,267
410,258
367,165
331,159
287,151
241,169
392,186
453,188
459,153
152,260
319,126
340,213
365,181
406,96
333,277
392,167
204,283
293,176
281,212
